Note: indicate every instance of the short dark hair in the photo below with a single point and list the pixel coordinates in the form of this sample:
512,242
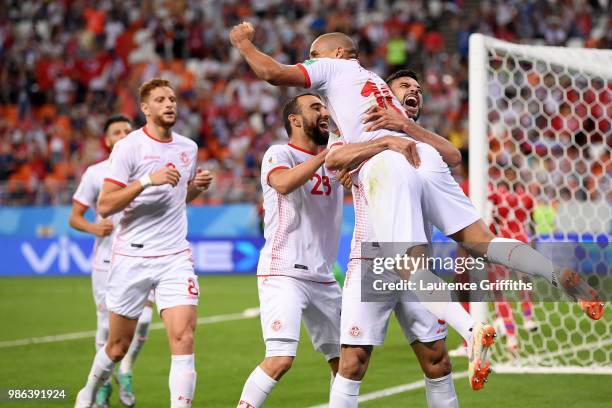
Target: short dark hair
401,74
292,107
115,119
150,85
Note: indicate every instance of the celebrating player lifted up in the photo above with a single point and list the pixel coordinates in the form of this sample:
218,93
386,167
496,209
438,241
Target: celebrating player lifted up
394,206
152,176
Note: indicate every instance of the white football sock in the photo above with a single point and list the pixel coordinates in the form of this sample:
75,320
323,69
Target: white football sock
140,337
256,389
344,393
101,329
182,381
440,392
101,370
517,255
441,305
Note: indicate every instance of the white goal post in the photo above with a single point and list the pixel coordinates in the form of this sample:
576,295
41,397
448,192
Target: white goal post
540,119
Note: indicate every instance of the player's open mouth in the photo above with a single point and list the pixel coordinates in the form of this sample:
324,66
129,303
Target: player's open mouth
411,102
324,125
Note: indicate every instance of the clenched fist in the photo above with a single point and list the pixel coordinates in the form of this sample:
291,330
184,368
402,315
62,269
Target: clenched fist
202,179
103,228
240,33
345,179
166,175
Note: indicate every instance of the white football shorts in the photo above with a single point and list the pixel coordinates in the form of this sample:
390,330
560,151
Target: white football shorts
285,301
131,279
365,323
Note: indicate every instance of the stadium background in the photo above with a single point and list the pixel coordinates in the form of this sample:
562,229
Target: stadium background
66,65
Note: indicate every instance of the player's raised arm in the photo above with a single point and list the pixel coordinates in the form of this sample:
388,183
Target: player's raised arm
264,66
286,180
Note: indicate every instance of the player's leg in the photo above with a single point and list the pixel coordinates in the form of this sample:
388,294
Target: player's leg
127,288
353,365
520,256
180,322
282,300
363,325
121,331
98,285
450,211
176,297
425,334
436,366
123,374
322,321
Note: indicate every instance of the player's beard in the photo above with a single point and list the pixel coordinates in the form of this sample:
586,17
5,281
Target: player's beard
160,121
316,134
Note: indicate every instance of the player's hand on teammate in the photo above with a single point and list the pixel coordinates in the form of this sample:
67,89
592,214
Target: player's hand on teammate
103,228
241,32
345,179
405,146
203,179
378,118
166,175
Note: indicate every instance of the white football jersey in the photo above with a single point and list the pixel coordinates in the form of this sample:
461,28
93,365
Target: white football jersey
155,222
348,91
302,228
86,195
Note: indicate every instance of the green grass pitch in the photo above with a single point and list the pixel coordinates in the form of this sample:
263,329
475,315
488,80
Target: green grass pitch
226,352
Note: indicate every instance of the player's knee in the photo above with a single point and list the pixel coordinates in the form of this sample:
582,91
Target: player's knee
182,339
117,348
438,365
353,363
276,367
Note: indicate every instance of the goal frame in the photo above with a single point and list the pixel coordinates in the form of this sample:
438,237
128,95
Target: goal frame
585,60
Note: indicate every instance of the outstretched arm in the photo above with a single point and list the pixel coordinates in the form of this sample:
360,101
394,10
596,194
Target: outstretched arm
264,66
350,156
379,118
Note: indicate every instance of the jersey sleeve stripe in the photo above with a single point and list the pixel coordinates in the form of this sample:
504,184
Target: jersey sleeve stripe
82,204
272,170
306,76
110,180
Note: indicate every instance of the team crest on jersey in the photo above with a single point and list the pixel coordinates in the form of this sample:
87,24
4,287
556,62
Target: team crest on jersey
276,325
355,331
184,158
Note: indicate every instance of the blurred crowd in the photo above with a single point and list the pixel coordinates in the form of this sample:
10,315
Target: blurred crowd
66,65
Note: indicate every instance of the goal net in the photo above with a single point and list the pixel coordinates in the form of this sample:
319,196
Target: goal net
540,136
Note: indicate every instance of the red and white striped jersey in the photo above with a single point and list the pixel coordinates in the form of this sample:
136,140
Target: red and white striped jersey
155,222
348,91
86,195
302,228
